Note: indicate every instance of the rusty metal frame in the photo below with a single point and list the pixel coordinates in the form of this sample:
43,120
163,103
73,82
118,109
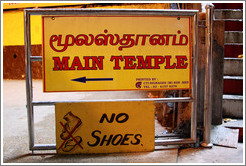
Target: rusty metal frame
133,12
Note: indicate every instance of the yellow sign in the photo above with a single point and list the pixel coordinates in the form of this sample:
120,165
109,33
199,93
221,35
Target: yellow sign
87,53
104,127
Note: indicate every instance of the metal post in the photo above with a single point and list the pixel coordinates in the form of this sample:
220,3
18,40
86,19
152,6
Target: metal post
29,93
194,80
208,78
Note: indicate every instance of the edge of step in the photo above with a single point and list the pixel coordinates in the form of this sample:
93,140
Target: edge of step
237,44
233,77
228,9
232,97
230,58
220,19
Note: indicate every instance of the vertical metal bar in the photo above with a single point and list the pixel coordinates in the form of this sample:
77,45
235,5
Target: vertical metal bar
29,92
174,108
208,78
179,108
194,79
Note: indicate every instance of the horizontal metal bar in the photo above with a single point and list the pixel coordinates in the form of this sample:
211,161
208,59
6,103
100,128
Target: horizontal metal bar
77,11
233,44
157,143
36,58
174,141
44,147
156,100
168,135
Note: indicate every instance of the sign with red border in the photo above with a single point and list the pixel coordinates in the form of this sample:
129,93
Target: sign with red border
105,53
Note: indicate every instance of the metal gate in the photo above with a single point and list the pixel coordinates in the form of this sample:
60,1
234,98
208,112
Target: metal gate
76,12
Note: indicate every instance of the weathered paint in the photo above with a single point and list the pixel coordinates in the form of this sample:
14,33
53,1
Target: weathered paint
105,127
13,28
13,20
14,62
36,5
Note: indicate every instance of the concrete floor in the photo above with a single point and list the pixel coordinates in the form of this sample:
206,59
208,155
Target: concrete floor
15,133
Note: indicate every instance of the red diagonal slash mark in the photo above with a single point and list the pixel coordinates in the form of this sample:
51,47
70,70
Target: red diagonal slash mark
70,135
73,130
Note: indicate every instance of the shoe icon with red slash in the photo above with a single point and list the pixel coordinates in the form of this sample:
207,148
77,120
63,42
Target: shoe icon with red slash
73,122
71,125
